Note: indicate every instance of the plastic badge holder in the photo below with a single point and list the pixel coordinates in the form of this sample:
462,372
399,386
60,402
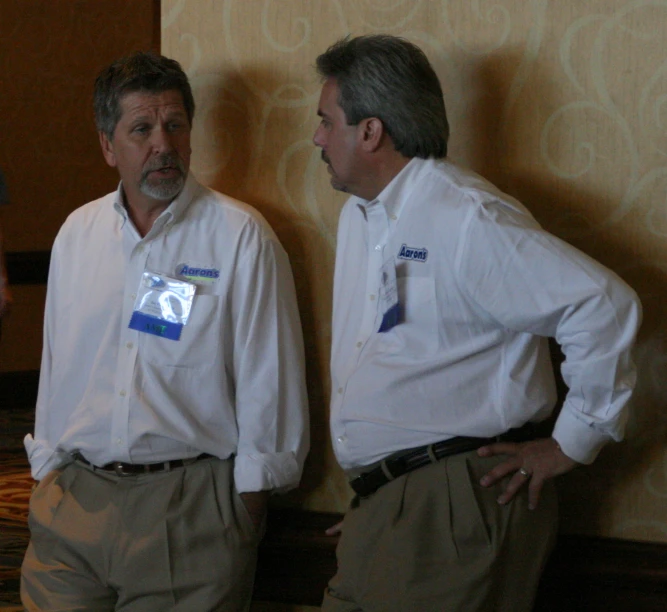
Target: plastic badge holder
162,306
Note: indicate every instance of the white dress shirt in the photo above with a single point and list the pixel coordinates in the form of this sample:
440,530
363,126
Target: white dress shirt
481,286
232,385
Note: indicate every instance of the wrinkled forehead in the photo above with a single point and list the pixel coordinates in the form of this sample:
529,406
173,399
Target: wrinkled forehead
150,103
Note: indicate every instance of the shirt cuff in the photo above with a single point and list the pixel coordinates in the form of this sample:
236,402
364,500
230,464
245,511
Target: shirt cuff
264,471
577,439
43,459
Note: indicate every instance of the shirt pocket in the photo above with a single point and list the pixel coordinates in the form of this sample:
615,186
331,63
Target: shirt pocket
417,332
199,342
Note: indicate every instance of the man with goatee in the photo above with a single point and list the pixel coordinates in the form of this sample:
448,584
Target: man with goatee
165,412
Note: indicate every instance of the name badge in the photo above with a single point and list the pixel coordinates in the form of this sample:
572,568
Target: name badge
162,306
388,299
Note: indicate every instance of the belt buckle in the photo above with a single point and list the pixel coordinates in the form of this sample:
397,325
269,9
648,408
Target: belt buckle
358,484
118,469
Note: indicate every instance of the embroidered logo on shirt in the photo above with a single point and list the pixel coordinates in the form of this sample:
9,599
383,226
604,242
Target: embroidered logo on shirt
206,275
412,253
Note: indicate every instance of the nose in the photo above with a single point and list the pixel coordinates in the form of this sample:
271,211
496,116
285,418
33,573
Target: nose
318,137
161,140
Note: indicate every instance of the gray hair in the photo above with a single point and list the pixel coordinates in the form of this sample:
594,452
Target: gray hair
142,71
390,78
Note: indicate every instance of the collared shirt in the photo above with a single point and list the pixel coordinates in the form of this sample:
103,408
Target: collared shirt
232,385
481,286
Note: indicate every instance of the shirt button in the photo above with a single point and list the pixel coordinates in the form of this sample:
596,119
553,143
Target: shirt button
359,344
378,247
133,296
340,390
123,393
119,441
129,345
140,250
341,439
371,297
393,217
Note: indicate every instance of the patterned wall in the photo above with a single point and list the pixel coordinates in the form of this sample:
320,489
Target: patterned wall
563,104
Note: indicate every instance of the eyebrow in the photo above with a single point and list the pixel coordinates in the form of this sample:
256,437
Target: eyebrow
149,117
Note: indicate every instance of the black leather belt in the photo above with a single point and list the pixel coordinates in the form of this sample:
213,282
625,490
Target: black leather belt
132,469
406,461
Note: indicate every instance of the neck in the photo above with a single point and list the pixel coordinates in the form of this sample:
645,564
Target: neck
386,169
143,213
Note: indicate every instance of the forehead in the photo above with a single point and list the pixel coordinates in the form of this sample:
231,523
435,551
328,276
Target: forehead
329,97
139,103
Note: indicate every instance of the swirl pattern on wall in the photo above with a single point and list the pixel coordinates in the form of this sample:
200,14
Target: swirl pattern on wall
563,105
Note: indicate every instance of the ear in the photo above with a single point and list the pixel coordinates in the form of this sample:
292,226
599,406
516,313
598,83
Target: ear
372,132
107,149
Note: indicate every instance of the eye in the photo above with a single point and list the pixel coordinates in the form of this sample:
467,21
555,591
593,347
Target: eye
141,129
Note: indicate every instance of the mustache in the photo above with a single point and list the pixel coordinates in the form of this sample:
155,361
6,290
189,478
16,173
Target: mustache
166,160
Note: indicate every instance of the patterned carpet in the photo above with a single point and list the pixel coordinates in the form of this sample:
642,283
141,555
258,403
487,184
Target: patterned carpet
15,486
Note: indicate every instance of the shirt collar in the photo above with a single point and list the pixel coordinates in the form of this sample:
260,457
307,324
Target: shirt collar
173,212
394,195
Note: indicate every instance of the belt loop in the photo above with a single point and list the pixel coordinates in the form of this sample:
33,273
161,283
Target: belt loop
386,472
431,454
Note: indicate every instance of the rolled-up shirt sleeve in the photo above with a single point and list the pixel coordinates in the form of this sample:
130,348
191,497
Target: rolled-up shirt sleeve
530,281
270,398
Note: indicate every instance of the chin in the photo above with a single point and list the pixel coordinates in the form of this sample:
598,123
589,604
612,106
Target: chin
339,186
165,190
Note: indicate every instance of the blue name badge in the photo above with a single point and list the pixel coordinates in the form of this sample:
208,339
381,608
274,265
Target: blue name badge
388,297
390,318
158,327
162,306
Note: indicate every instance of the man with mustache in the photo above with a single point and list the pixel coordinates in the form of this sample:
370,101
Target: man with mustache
166,413
445,291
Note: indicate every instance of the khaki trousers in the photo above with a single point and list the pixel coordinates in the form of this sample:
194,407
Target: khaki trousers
434,540
180,540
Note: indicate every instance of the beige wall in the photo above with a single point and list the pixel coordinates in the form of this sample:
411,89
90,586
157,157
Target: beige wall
563,104
50,54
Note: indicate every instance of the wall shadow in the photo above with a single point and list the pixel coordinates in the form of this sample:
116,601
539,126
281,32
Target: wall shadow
563,208
236,116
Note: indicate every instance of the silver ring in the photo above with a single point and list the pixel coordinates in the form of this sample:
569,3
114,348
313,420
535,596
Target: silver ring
525,473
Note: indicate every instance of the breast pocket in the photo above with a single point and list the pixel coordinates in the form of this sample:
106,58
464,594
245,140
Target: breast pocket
417,333
199,342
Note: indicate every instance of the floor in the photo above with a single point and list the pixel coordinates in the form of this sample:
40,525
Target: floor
15,486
